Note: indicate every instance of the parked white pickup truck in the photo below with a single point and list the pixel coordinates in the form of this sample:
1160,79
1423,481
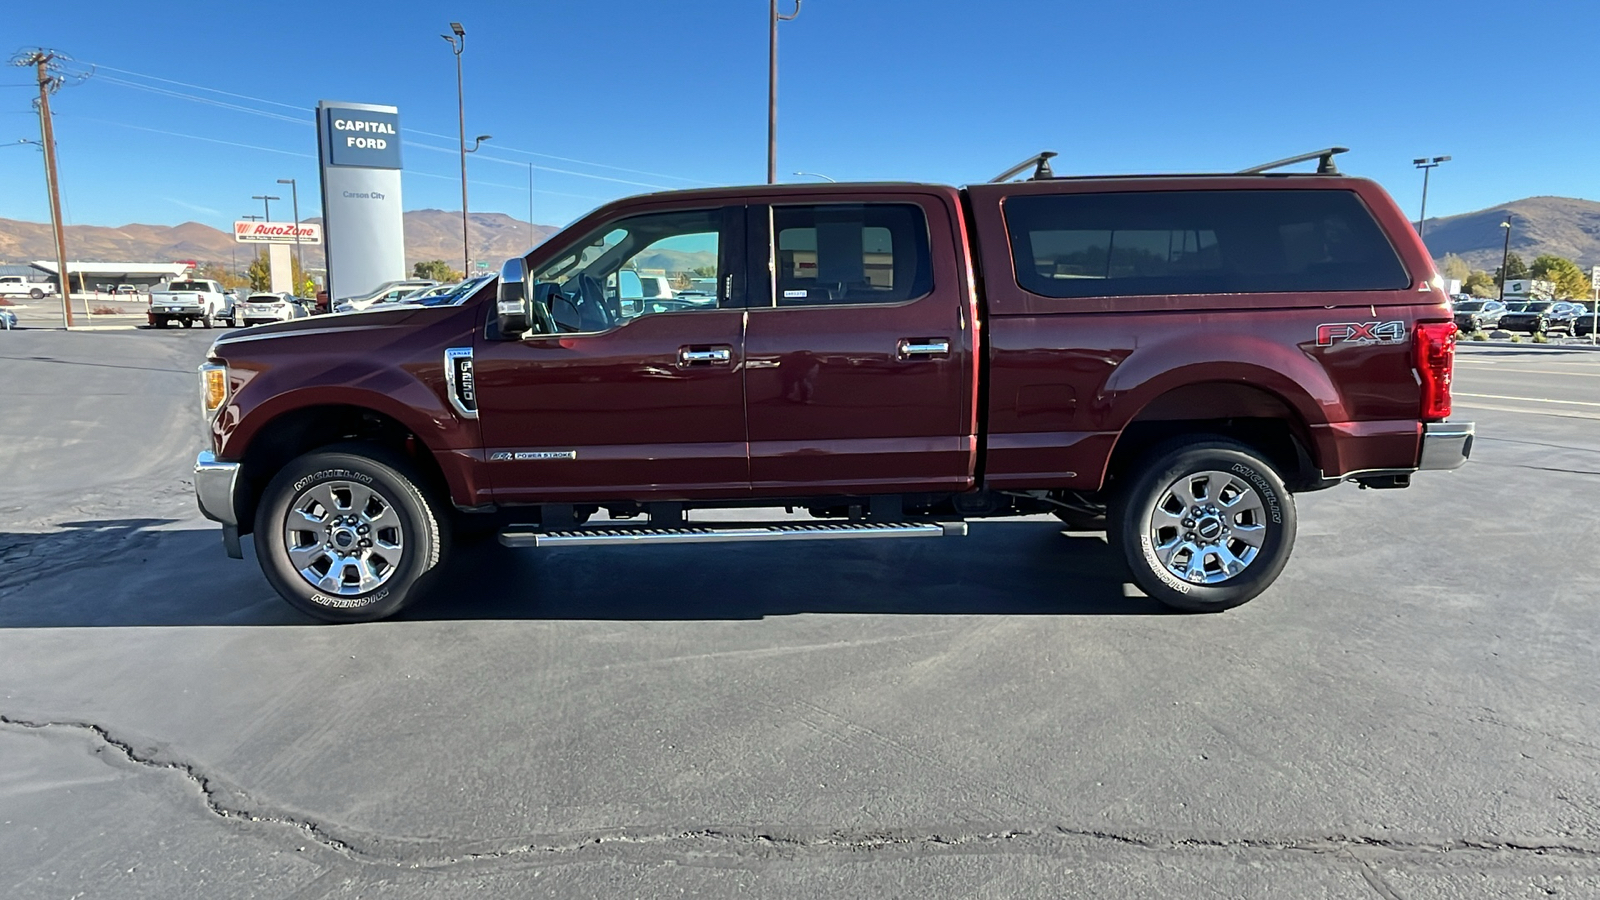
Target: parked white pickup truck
196,300
19,286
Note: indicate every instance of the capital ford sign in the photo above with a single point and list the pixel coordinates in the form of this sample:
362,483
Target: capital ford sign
361,137
247,232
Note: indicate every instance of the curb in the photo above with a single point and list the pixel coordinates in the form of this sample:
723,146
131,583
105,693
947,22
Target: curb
1527,345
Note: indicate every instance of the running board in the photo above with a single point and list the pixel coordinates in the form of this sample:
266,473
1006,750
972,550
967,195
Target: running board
524,536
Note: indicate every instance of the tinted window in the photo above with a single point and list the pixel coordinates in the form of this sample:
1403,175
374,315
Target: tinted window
1199,242
200,286
850,253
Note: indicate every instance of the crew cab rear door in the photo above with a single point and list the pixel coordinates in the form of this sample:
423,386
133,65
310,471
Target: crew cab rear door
860,363
624,397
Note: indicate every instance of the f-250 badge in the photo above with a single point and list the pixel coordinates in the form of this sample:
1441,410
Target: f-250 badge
1361,333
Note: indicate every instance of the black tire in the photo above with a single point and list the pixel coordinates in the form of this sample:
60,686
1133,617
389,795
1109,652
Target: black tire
187,322
36,294
205,320
421,536
159,322
1133,527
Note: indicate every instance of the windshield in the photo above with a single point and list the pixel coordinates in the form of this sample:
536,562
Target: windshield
455,294
1538,307
1470,306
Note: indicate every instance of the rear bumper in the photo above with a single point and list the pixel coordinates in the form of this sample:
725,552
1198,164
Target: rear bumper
1446,445
214,488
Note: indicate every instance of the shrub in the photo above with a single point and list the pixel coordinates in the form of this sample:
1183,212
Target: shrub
1539,338
1480,336
1516,339
105,311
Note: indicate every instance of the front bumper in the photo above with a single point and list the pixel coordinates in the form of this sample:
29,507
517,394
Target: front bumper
1446,445
214,486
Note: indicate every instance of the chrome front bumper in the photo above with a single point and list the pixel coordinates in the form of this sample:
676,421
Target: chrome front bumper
1445,445
214,485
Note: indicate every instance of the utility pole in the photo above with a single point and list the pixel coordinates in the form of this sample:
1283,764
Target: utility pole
45,63
772,86
458,42
294,192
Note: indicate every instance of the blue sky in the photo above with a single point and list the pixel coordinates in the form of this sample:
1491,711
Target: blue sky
625,96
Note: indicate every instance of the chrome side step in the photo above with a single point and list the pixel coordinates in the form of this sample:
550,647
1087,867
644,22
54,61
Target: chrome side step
526,536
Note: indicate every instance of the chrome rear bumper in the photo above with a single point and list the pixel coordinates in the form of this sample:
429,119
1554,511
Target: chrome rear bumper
1446,445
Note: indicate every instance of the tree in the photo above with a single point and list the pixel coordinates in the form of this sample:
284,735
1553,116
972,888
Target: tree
1454,268
1480,284
1564,274
704,271
260,273
228,280
435,270
1515,269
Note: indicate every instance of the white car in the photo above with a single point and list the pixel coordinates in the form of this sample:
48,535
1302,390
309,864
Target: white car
389,291
191,301
261,309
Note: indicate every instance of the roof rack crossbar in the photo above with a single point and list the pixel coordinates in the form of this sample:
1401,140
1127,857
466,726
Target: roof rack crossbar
1324,159
1041,168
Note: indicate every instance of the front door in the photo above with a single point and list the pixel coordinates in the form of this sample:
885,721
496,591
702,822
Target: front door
634,395
859,357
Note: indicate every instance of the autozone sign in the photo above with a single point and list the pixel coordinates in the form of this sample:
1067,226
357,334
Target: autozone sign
275,233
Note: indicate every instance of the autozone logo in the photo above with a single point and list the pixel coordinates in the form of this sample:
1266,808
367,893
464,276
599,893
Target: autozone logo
1361,333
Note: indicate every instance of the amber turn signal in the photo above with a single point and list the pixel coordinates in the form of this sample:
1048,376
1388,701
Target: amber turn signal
213,387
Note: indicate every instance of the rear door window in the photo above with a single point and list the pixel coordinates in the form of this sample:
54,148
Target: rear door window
847,253
1199,242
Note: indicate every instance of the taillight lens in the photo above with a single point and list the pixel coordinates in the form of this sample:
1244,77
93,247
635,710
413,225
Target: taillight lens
1435,347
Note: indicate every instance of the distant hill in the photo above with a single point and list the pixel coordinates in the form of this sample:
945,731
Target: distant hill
430,234
1564,226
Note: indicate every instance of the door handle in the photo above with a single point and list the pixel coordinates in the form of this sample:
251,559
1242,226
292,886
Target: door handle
923,348
710,356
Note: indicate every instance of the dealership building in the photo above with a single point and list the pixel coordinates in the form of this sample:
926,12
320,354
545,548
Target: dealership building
92,276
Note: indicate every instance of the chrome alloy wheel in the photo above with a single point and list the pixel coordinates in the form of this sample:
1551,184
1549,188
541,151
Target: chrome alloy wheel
343,538
1208,527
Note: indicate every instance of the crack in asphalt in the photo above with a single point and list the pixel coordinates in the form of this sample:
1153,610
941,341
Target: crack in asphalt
708,845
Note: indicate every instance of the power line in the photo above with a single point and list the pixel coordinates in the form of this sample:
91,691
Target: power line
272,115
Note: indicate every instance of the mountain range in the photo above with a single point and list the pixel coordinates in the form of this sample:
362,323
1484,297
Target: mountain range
430,234
1564,226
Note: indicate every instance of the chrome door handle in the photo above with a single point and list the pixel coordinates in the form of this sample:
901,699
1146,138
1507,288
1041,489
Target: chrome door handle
716,356
917,348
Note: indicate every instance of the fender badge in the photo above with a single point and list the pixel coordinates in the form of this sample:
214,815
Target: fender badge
1361,333
525,455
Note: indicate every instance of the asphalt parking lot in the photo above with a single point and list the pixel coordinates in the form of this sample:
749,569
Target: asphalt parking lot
1411,712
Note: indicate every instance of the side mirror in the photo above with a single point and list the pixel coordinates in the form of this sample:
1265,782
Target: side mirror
513,306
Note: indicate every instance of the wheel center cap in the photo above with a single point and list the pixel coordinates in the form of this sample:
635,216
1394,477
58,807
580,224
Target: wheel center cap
1209,528
344,537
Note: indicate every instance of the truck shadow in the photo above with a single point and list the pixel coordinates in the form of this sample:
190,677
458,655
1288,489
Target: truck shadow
1001,568
141,573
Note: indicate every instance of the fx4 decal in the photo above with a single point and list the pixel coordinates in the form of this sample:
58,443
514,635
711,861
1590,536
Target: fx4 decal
1361,333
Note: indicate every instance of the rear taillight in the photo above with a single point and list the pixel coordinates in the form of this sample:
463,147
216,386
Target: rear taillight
1435,349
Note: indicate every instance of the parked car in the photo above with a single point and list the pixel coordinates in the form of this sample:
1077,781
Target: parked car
1258,337
126,289
259,309
189,302
1532,317
1563,315
1472,316
1584,323
19,286
8,319
391,290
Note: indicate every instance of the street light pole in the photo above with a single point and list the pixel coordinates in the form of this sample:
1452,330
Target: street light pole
294,192
266,204
1505,257
1427,165
772,87
458,41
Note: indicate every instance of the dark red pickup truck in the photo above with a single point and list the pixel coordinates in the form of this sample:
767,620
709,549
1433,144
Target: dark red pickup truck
1166,358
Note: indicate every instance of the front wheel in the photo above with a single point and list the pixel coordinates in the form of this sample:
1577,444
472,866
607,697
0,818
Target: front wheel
345,534
1206,525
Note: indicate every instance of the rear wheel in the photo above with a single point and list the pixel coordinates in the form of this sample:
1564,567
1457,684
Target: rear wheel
36,294
1206,524
158,322
346,534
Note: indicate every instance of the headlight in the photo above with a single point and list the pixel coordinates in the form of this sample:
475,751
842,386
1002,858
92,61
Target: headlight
213,388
